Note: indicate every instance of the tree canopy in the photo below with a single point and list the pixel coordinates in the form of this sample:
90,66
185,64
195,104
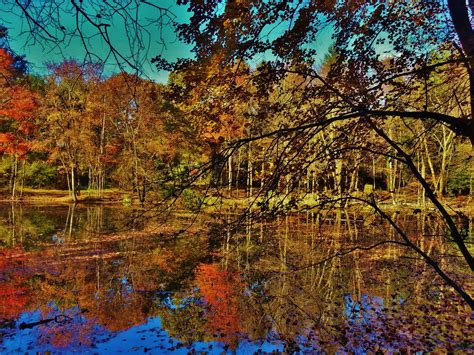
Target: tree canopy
385,114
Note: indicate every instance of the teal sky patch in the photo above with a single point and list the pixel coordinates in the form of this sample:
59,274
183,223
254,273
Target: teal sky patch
158,37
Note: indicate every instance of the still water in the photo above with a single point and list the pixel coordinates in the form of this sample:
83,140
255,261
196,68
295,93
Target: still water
92,279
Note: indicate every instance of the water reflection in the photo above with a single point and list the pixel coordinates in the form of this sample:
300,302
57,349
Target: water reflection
65,285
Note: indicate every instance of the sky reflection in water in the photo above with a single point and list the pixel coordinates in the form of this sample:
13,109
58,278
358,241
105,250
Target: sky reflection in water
204,293
146,337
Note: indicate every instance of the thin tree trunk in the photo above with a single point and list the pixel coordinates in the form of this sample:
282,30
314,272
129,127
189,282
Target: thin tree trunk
101,172
14,177
446,155
73,183
434,179
423,175
373,172
237,175
229,178
90,183
22,180
249,170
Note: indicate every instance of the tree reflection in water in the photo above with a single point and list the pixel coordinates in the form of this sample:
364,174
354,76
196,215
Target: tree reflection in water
268,286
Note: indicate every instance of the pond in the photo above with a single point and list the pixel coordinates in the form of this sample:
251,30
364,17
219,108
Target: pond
95,279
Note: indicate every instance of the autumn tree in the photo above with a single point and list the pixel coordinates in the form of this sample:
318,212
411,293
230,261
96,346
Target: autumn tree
17,114
67,128
143,134
217,104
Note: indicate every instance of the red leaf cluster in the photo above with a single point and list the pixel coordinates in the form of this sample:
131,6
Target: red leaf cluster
17,109
220,290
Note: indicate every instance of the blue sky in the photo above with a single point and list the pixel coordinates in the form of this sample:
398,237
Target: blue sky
38,54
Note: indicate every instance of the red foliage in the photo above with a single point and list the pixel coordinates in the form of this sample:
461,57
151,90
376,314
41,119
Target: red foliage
13,300
17,107
111,155
6,64
20,106
220,290
14,295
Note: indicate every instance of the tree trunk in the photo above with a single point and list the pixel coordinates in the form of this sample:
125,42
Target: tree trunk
448,140
100,165
423,176
73,183
434,179
22,179
373,172
458,10
237,173
14,177
249,171
338,176
229,178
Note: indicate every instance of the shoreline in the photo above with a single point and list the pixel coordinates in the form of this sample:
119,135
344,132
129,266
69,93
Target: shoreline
462,204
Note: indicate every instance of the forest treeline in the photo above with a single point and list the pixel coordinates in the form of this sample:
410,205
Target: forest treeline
74,128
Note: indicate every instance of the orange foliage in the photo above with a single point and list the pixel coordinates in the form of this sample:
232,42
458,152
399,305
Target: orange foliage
20,106
6,63
220,290
14,296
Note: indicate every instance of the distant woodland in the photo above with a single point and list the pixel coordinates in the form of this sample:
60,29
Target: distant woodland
256,113
76,129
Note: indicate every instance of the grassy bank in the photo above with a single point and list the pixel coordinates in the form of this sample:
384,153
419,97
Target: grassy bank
237,199
402,203
30,195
